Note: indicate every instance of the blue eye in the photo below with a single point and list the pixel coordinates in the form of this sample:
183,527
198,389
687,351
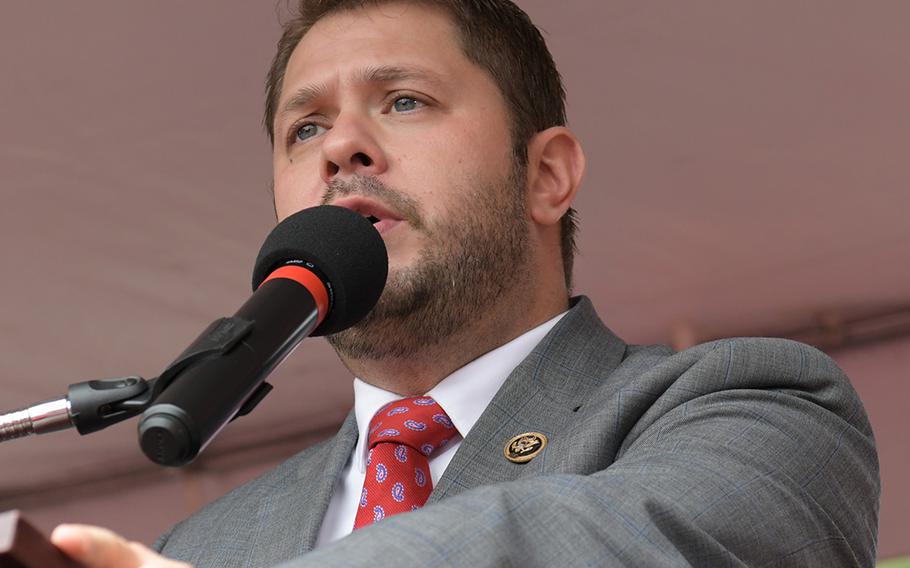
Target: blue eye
307,131
405,104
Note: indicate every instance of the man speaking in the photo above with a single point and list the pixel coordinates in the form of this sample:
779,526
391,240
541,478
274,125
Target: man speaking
497,421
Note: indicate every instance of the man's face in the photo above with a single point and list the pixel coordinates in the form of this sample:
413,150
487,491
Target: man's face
382,113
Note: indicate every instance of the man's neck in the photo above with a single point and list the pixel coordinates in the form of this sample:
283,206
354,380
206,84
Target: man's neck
420,372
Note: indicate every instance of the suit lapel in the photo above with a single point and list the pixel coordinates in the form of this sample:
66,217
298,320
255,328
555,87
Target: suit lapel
292,513
540,395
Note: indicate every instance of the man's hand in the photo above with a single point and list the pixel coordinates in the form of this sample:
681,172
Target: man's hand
96,547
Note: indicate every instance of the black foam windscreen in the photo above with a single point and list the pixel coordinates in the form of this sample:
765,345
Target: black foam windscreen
346,251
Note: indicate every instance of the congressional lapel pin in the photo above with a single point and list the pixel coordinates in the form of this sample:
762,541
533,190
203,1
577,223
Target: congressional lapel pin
525,447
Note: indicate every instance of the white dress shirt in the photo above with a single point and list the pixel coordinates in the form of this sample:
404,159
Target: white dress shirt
464,395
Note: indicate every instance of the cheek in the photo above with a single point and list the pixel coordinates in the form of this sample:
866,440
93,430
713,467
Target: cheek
467,160
295,190
479,143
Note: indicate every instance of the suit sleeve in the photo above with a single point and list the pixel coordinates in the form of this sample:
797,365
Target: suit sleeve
757,453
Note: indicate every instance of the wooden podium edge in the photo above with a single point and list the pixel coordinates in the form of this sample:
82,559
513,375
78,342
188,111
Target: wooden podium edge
24,546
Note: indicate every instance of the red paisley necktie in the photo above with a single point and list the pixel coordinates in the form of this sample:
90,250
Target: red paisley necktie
403,434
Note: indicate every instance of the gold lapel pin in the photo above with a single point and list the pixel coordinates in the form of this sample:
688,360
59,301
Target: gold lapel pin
525,447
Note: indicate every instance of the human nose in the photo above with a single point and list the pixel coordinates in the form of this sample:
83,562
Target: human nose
350,148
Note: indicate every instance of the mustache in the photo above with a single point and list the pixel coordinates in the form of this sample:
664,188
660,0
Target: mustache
364,186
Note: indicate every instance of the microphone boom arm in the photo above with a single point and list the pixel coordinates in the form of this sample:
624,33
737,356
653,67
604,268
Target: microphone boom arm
90,406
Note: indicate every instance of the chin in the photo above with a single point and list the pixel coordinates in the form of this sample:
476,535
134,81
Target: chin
399,262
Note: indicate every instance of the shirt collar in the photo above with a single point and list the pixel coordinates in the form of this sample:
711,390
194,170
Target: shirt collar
464,394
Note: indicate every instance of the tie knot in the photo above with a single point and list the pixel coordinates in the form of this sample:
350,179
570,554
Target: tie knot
418,422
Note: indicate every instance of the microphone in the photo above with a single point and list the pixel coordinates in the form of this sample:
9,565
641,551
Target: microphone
319,272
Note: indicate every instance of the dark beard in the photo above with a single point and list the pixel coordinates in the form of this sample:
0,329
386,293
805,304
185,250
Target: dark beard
472,257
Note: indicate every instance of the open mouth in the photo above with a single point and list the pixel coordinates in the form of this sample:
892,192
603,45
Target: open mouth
382,218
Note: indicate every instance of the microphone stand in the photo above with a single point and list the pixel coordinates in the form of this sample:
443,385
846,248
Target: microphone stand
90,406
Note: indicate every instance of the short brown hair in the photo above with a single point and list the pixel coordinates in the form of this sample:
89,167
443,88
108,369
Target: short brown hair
497,36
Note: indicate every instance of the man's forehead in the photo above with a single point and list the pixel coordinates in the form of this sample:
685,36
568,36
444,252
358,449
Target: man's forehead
393,35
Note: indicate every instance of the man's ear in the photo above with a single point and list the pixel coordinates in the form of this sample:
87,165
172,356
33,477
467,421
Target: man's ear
556,165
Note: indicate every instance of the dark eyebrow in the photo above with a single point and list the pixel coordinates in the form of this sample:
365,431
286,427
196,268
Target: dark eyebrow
377,74
389,73
302,97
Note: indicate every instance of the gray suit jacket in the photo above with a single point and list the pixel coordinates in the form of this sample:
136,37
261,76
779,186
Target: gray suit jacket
740,452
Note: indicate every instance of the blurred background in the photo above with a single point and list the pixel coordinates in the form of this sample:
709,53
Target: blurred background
748,175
